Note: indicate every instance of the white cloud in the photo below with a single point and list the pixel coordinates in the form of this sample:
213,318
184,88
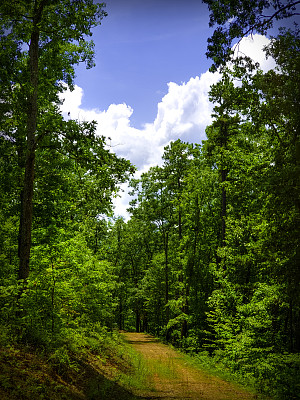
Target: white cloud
72,101
252,46
184,112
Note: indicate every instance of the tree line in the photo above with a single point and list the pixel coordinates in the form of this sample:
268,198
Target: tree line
209,259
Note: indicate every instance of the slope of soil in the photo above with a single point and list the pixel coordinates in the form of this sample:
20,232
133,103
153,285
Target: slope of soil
25,374
171,378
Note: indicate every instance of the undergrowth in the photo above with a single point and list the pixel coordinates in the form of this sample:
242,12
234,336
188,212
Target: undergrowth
82,364
212,366
275,377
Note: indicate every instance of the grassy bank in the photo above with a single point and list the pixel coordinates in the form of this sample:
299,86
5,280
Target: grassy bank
99,367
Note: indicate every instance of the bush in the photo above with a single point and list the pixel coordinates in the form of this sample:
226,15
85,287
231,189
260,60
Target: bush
279,375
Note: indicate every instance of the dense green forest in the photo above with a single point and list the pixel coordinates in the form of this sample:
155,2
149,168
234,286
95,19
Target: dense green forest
209,259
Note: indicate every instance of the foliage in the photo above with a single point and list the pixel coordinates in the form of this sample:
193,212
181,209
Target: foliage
236,19
216,230
209,259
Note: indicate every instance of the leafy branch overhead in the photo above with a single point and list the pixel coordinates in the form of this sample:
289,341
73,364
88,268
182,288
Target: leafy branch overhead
236,19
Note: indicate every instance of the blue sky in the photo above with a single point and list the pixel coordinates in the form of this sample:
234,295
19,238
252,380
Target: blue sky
140,47
151,81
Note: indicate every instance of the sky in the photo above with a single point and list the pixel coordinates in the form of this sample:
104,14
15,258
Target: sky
151,80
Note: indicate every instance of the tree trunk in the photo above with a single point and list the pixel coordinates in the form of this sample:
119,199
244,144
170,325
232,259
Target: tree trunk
223,210
137,321
166,239
224,171
27,193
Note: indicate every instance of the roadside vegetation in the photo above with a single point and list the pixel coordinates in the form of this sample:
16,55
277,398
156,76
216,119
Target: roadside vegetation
76,370
112,369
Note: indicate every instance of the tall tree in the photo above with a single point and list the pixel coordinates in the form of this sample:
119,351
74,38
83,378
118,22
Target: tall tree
56,35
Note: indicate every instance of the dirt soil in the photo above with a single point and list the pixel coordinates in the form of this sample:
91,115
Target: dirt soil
174,379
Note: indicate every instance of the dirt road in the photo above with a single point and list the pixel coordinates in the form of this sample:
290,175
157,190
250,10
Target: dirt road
173,379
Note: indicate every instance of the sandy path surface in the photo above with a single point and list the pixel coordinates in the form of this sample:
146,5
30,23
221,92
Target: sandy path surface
174,379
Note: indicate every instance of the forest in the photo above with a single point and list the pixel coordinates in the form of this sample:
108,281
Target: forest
209,258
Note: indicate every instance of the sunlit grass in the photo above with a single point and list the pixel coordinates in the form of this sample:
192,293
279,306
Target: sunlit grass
143,373
209,365
140,376
163,368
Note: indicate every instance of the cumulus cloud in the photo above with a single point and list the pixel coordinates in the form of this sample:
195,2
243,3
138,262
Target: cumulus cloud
184,112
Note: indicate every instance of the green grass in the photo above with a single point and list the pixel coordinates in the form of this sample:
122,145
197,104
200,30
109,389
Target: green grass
204,362
165,369
140,375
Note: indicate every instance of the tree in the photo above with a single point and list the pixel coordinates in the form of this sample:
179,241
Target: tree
158,203
254,308
153,205
239,18
56,35
178,158
37,24
278,108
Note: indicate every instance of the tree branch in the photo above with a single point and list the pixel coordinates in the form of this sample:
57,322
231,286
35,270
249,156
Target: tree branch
272,16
